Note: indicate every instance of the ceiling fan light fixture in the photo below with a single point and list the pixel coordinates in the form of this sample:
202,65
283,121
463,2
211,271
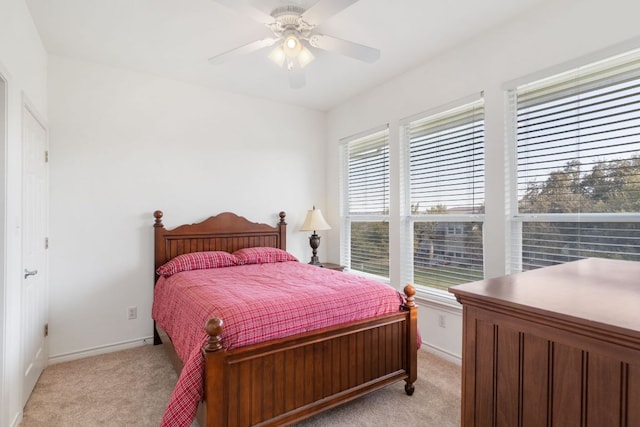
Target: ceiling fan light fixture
277,55
304,57
291,46
291,51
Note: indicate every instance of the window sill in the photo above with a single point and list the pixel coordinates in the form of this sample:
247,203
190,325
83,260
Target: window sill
441,299
368,276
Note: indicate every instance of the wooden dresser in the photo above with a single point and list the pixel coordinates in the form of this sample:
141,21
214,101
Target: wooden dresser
557,346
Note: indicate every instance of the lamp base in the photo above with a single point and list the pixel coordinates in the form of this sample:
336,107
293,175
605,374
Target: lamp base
315,261
314,242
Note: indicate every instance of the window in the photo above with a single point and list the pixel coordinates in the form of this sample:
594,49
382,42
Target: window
365,213
444,175
577,165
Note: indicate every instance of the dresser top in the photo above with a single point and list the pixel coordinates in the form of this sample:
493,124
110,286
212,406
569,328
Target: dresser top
590,291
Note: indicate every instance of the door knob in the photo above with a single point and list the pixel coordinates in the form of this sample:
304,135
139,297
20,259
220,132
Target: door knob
28,273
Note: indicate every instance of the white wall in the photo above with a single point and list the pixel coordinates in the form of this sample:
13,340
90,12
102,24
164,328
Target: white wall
124,144
23,64
544,38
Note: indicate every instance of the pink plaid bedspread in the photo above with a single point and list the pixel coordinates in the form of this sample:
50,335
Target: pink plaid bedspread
257,303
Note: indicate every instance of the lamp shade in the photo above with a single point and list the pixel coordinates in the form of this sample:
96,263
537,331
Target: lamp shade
314,221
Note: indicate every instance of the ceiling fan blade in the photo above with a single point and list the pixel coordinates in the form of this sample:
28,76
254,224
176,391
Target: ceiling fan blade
325,9
248,48
354,50
297,78
245,8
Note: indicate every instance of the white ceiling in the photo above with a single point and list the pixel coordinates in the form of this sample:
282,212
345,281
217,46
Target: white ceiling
174,39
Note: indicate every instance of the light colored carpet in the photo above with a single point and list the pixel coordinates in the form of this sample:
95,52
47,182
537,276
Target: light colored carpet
125,388
132,387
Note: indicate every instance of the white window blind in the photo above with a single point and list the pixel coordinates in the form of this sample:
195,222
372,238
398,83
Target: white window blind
578,165
366,207
445,176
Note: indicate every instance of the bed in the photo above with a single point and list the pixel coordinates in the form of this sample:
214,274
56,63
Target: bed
286,379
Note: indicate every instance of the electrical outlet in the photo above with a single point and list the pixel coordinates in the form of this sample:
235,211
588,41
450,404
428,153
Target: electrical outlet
442,321
132,313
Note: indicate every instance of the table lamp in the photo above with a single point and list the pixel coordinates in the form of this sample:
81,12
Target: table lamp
314,222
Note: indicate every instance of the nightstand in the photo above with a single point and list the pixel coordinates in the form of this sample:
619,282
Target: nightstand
331,266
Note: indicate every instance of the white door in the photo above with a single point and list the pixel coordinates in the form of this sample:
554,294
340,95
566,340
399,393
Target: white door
34,303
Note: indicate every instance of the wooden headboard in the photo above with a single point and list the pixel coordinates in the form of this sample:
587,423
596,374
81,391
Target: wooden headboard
224,232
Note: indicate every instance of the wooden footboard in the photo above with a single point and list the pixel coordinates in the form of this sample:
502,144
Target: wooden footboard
287,380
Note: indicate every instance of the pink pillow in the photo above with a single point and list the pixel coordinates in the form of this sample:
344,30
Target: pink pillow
197,261
262,255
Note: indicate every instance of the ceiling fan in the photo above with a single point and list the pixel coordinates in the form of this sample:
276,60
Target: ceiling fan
294,36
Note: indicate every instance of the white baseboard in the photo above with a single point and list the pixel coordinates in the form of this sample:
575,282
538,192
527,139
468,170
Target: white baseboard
103,349
17,419
454,358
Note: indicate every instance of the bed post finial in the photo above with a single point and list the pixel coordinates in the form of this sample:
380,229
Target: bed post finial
410,291
214,329
158,217
282,214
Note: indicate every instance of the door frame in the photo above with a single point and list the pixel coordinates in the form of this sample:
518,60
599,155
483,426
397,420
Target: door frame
4,137
5,241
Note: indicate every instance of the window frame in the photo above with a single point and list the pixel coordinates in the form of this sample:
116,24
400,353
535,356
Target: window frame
346,217
409,219
514,244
